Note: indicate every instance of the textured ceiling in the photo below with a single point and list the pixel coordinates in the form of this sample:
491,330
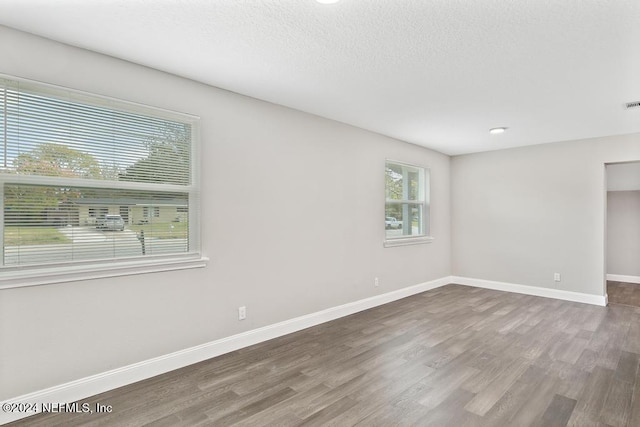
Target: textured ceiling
437,73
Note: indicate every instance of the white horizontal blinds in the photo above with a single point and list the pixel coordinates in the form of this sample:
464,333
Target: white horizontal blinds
3,127
50,136
89,179
49,224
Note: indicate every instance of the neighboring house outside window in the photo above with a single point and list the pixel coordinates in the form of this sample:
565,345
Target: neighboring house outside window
76,169
406,204
151,212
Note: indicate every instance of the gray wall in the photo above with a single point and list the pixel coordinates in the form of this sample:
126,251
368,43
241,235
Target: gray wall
520,215
623,176
623,233
292,208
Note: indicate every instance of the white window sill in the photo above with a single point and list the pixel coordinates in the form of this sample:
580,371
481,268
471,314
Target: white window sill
60,274
405,241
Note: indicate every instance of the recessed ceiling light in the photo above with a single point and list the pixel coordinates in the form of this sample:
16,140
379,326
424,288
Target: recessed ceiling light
327,1
497,130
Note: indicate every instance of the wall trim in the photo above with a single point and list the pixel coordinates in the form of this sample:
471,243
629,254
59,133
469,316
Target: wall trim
88,271
623,278
95,384
533,290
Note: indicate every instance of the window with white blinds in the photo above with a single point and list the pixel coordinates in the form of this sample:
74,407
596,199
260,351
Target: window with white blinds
86,179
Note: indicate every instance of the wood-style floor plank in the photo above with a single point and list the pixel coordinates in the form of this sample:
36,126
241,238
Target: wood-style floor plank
456,355
623,293
558,412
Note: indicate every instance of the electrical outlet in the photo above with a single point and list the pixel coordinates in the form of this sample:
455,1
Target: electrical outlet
242,313
556,277
376,282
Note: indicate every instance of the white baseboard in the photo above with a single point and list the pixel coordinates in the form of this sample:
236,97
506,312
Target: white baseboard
83,388
533,290
622,278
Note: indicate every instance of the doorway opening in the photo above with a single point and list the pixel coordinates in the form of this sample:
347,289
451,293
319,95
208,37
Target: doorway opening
622,231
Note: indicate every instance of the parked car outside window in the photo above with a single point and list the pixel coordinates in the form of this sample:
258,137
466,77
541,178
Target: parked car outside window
111,222
391,222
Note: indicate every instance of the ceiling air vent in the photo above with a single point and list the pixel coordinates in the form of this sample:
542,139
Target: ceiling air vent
635,104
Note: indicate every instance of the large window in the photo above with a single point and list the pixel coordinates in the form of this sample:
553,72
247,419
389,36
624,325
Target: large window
407,204
89,180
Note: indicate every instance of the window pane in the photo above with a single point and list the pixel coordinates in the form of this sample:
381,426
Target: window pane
413,188
48,135
47,224
404,182
404,219
393,177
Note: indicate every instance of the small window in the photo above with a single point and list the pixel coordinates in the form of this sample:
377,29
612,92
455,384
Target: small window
407,204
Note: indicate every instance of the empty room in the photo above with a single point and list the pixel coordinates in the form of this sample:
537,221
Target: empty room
193,196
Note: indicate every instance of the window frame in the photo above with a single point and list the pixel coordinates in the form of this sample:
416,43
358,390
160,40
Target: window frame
424,200
39,274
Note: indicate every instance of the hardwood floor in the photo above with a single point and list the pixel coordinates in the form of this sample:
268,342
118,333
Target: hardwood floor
453,356
624,293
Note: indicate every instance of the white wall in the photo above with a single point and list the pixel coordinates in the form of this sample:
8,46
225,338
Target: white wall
623,233
292,210
520,215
